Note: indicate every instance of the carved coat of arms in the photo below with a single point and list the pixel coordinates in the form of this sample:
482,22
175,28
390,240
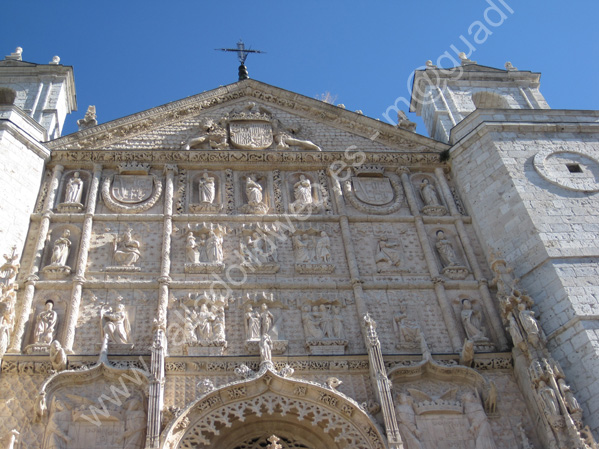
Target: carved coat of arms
132,189
250,134
375,191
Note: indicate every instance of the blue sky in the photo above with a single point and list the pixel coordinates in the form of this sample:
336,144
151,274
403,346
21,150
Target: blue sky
133,55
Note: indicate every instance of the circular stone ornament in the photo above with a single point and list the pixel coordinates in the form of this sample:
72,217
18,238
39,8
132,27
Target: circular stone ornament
572,170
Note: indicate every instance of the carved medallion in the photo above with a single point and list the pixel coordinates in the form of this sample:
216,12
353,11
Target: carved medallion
250,134
374,191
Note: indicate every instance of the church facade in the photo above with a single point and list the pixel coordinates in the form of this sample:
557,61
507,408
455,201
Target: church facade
251,268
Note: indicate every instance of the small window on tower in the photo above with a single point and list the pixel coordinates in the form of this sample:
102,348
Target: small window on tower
574,168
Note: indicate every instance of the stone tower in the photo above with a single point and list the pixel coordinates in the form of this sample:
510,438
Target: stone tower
36,99
529,176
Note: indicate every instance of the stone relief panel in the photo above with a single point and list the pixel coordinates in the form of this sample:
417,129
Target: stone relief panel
430,200
304,194
253,193
258,247
204,248
132,188
312,251
324,326
73,191
450,255
468,309
45,321
60,256
119,317
389,251
206,193
120,249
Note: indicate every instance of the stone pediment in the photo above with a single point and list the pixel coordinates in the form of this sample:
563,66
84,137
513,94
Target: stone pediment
247,115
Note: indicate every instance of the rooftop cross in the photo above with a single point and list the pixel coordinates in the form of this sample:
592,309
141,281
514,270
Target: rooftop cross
242,54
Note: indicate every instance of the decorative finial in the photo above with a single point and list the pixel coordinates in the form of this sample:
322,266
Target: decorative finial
16,56
89,120
464,59
55,60
242,54
430,65
509,67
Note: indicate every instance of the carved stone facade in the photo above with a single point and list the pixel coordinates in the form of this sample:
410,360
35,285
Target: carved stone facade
218,272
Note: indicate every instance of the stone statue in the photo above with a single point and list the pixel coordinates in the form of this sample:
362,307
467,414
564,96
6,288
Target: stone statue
212,134
408,331
548,399
283,140
135,424
515,333
446,251
56,436
253,190
504,278
127,253
323,248
388,254
191,248
467,353
266,319
115,325
429,194
45,326
214,247
206,189
74,190
491,399
60,252
407,422
311,322
255,252
58,356
252,323
218,326
530,325
338,331
204,324
302,191
480,428
571,402
6,325
266,349
471,319
302,253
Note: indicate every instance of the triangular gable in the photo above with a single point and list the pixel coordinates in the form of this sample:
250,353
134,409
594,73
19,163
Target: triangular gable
181,119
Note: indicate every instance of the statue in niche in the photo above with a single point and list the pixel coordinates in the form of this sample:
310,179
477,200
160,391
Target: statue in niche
504,278
491,399
304,201
7,316
214,247
115,325
74,190
530,325
515,333
252,323
408,331
446,251
60,252
206,188
471,320
127,252
135,424
407,422
388,254
204,323
253,190
571,402
265,348
548,398
429,193
58,356
192,249
266,319
56,436
204,326
302,252
45,326
311,322
338,331
480,428
323,248
218,326
204,254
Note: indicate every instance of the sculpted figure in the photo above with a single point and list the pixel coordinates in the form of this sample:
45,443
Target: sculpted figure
127,253
446,251
504,278
191,248
302,190
45,326
387,254
9,443
302,254
530,324
429,194
323,248
115,325
253,190
407,422
311,322
6,325
480,428
204,323
74,189
284,140
515,333
471,320
56,436
491,400
60,252
266,348
326,322
58,356
214,248
407,330
338,323
206,189
135,424
571,402
189,327
548,398
266,319
218,326
252,322
213,135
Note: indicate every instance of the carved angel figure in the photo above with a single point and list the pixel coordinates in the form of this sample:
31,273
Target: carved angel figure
74,189
45,325
60,252
446,251
571,402
212,134
115,325
127,253
253,190
206,189
530,324
214,247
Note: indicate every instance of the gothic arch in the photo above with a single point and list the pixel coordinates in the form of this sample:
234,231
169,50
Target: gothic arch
267,403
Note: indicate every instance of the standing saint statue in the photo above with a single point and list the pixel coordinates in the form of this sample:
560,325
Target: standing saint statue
429,194
302,253
74,190
446,251
252,323
45,326
191,248
266,319
206,189
115,325
253,190
266,349
323,248
60,252
214,248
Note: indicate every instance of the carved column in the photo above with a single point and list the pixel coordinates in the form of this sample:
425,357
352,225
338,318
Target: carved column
72,314
27,300
431,261
156,396
489,308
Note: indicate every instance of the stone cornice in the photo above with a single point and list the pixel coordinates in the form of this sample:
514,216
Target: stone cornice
130,126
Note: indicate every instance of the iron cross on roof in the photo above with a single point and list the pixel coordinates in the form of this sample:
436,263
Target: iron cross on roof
242,54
